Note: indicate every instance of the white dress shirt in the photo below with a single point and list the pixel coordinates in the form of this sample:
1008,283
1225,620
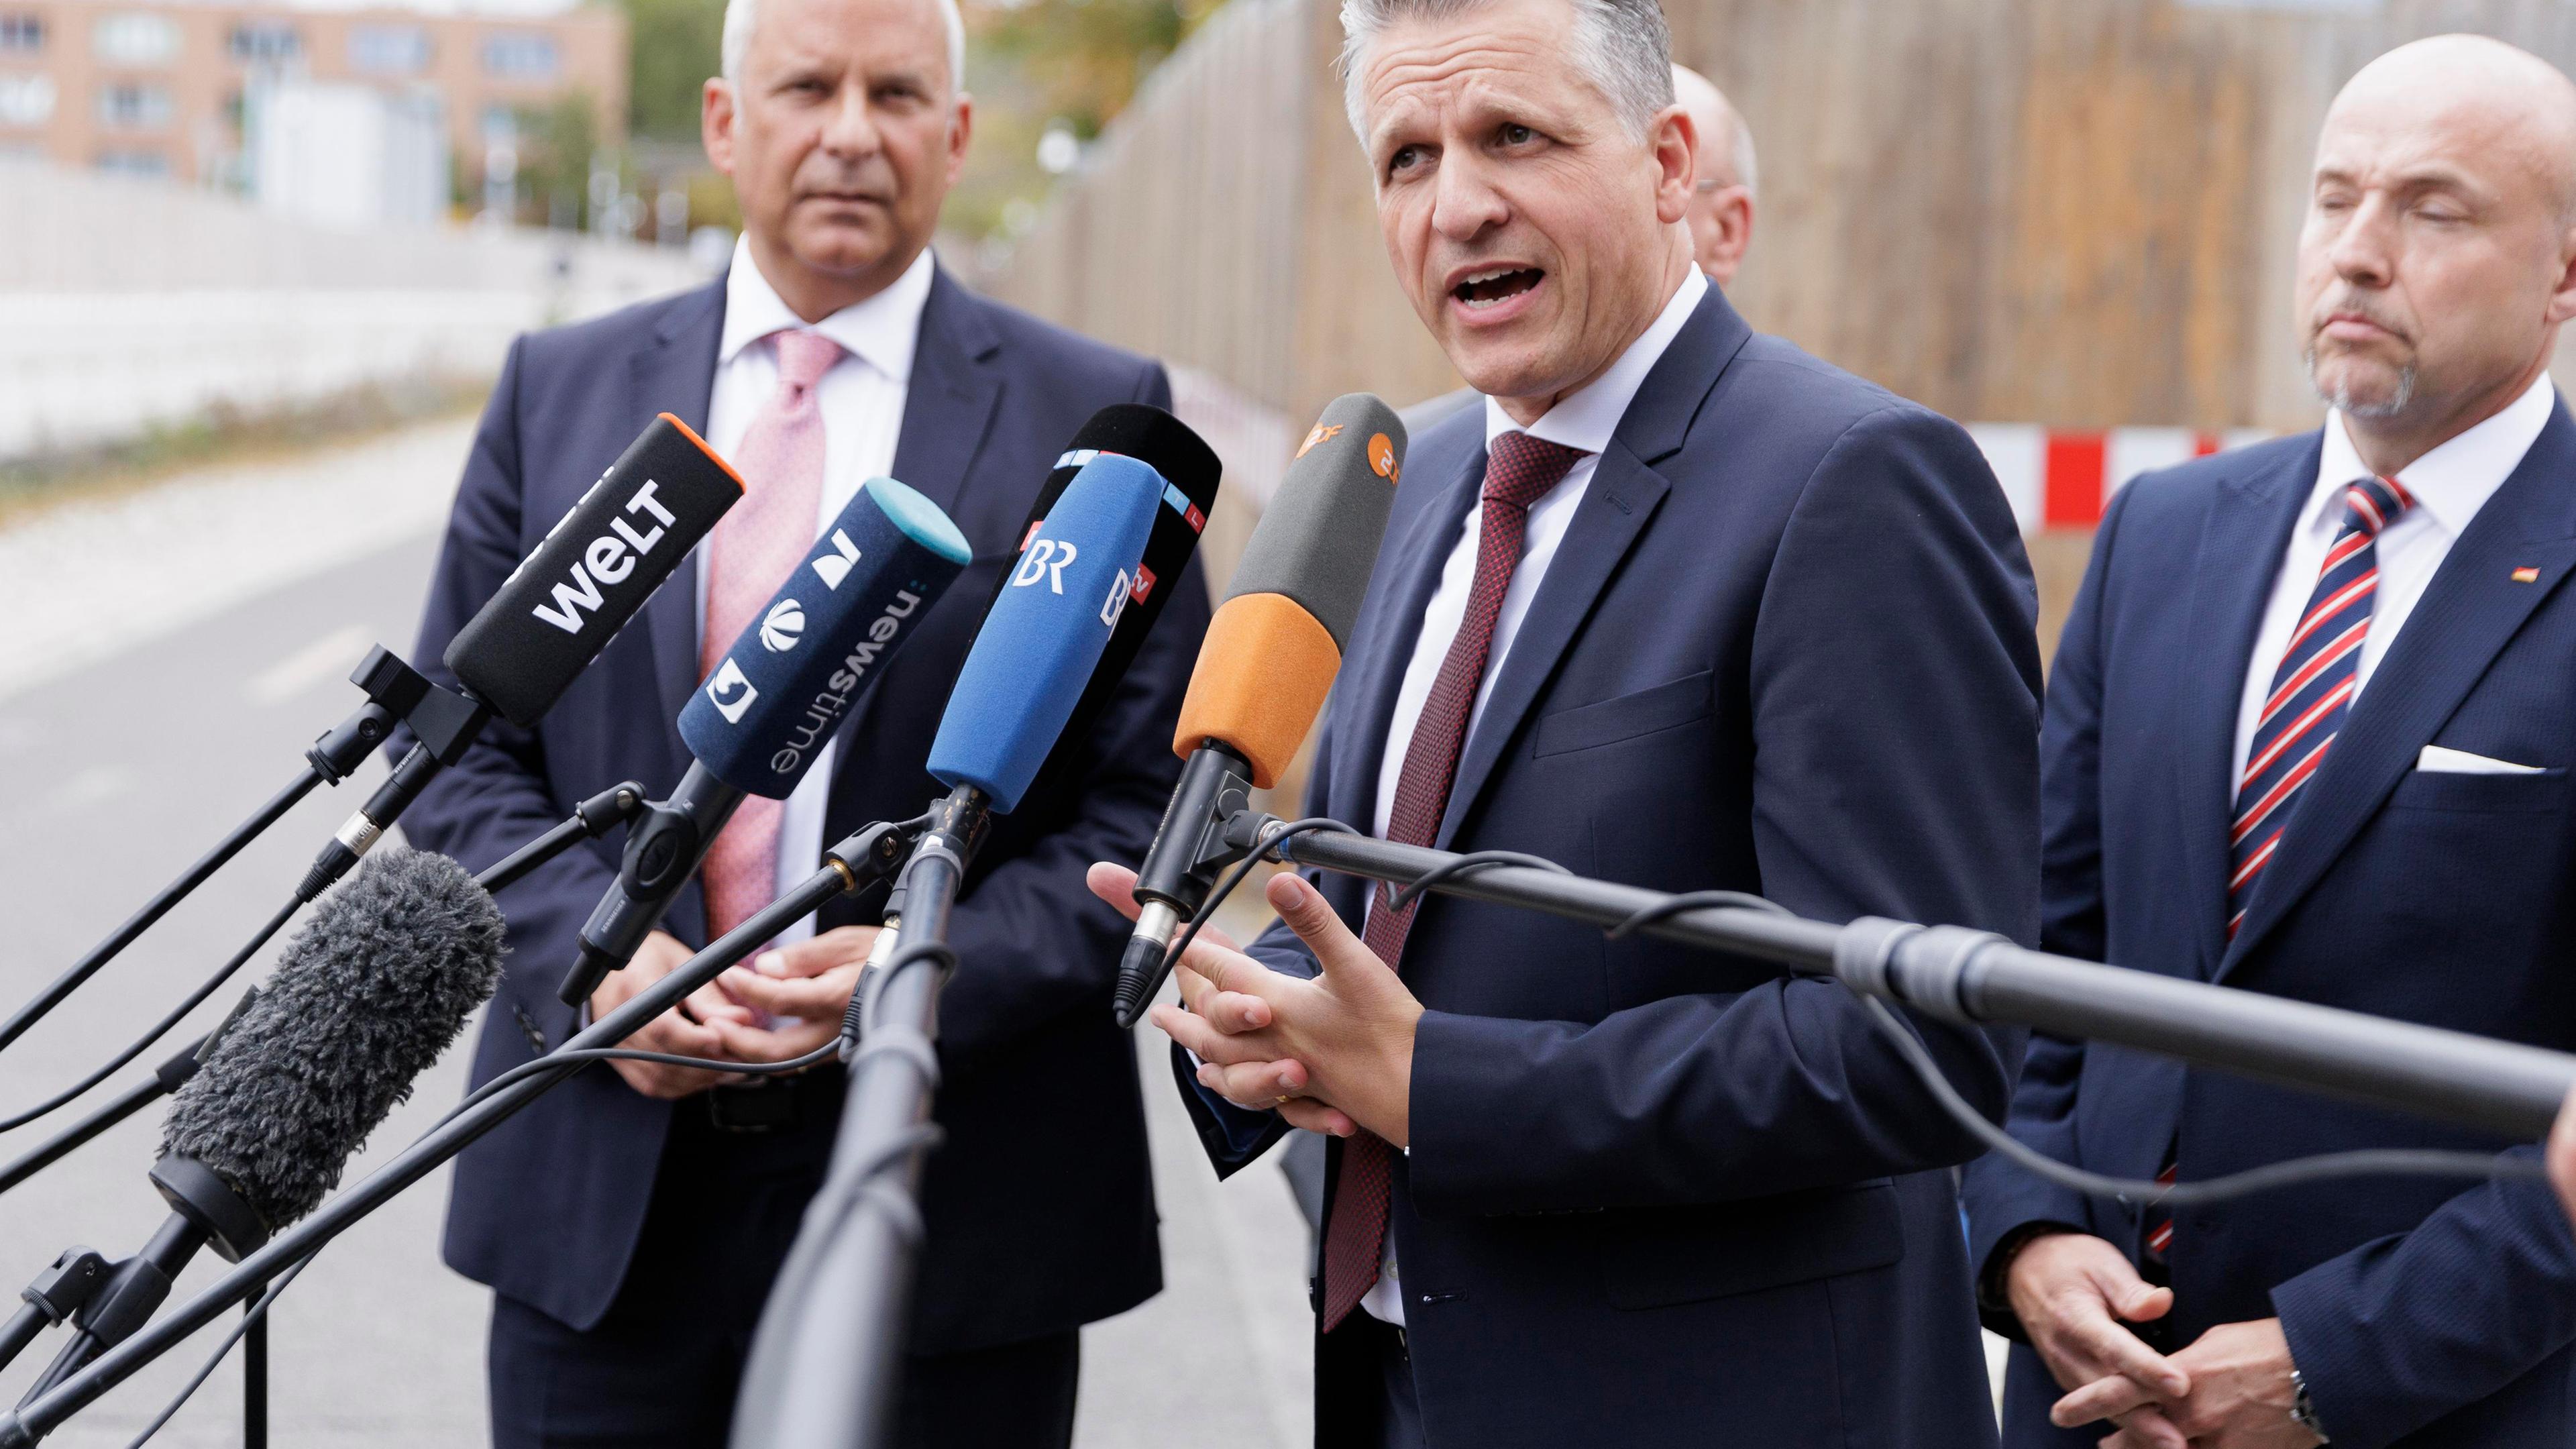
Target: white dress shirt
2450,484
1584,420
861,399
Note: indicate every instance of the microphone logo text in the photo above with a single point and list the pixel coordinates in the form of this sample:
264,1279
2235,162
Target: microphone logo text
608,560
783,626
729,681
1046,559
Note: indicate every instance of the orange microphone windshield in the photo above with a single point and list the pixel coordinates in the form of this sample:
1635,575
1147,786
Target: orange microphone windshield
1276,642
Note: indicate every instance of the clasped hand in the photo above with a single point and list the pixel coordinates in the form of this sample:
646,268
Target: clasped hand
786,1003
1330,1054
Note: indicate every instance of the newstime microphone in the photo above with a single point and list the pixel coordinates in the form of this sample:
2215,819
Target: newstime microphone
762,716
363,999
1270,657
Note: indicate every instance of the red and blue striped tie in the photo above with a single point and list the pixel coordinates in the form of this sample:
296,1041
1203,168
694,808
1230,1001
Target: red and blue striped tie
2312,691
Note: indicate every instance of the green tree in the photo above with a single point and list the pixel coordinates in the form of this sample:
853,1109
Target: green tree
555,146
675,46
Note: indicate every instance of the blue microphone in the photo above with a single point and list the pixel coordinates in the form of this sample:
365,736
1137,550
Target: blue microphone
1045,633
757,721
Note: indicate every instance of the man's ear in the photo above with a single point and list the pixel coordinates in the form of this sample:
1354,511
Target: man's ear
959,133
715,122
1674,141
2562,301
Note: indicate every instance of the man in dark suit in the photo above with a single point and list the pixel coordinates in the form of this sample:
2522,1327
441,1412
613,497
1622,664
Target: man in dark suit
631,1223
2309,734
1676,605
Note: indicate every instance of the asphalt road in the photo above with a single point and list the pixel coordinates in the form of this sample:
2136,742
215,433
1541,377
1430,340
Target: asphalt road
114,775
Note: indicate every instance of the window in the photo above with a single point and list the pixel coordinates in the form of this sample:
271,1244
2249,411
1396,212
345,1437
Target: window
389,49
21,34
133,39
133,106
134,163
26,100
264,43
519,55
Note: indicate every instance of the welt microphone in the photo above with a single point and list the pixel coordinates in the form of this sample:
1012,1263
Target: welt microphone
363,1000
1271,653
757,721
555,613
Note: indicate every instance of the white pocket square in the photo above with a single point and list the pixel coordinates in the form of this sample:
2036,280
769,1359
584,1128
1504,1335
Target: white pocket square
2439,760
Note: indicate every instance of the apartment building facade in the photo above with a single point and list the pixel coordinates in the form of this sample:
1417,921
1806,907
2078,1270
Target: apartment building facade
163,89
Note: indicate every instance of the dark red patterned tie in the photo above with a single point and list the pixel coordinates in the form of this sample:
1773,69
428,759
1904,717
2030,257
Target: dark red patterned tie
1519,471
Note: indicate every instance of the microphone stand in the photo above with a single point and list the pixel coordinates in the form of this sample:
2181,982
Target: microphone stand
394,690
1967,977
827,1361
865,857
590,820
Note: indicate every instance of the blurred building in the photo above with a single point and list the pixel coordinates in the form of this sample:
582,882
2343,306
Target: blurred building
196,92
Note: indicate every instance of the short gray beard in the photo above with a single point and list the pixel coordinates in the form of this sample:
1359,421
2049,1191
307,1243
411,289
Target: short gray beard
2340,397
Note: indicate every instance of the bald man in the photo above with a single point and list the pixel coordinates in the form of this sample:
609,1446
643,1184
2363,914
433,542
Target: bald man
1720,210
2309,733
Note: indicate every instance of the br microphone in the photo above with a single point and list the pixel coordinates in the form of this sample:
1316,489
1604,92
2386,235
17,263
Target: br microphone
365,997
1271,653
554,615
757,721
1034,658
1190,472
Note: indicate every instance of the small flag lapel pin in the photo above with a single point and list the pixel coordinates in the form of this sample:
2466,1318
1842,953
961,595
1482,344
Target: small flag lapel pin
2526,575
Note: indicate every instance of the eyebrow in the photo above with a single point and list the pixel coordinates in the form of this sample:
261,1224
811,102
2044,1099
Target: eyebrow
2428,177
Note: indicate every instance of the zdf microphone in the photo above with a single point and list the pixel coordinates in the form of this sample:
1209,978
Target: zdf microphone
1270,657
1035,656
757,721
363,1000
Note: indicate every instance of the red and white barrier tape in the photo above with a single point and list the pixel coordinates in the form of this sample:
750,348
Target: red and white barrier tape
2060,478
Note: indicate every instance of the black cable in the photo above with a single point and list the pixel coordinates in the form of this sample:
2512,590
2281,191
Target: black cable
215,1359
144,1043
2145,1193
1265,849
587,1055
157,907
1696,901
1472,861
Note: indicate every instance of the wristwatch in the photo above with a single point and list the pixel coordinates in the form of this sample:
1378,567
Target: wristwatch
2303,1410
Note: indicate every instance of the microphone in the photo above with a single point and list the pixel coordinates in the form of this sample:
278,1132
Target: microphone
552,616
1035,658
1271,653
1165,444
365,997
759,719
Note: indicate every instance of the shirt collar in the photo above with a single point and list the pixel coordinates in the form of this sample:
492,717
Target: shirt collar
1587,418
2453,481
881,331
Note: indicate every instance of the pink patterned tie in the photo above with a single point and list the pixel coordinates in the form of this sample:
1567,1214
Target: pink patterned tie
752,551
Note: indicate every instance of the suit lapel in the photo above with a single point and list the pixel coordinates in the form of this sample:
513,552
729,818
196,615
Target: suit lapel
2247,531
1622,496
677,375
948,404
1415,561
2469,611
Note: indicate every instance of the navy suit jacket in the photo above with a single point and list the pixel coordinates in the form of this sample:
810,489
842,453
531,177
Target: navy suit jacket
1041,1101
2419,1312
1656,1195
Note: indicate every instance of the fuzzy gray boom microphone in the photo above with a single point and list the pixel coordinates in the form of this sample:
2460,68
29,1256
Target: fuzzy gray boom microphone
365,997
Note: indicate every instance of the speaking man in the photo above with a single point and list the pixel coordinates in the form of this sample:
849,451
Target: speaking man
630,1223
1676,605
2309,734
1720,213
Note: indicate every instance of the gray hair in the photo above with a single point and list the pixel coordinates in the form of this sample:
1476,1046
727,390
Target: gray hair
1622,46
740,14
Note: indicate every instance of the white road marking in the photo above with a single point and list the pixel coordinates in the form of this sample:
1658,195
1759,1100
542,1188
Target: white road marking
327,658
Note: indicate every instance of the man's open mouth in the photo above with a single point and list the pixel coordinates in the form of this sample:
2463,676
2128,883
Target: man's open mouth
1486,289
